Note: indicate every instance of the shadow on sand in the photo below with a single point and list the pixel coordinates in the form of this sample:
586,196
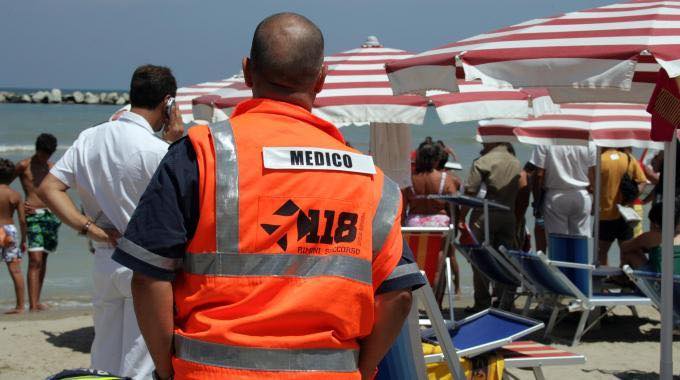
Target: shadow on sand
79,340
613,328
630,375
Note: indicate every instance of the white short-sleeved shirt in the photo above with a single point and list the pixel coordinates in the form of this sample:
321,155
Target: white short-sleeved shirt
566,166
110,166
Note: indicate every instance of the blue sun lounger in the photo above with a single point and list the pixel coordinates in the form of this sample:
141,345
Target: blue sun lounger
498,269
480,333
549,276
484,332
649,284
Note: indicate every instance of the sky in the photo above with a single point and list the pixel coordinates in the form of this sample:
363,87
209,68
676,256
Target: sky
96,44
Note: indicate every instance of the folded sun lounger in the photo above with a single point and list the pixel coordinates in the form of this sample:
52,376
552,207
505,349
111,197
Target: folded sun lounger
534,356
484,332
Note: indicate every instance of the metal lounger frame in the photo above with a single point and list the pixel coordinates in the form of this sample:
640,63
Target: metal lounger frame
425,296
509,266
488,346
580,302
638,278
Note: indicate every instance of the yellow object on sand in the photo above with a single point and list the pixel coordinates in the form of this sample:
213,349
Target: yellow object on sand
440,371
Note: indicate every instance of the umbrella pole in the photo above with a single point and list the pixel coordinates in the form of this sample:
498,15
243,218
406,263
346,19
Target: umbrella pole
667,234
595,259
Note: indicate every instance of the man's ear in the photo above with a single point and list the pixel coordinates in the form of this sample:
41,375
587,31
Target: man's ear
318,86
246,65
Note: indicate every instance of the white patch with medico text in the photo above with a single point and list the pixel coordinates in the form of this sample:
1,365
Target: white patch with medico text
307,158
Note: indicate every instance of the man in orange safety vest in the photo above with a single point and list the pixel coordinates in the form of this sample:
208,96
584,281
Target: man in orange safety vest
264,247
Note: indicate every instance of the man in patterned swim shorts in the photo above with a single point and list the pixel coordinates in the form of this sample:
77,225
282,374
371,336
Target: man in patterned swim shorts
43,226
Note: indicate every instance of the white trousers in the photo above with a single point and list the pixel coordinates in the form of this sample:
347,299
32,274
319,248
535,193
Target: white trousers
118,345
567,212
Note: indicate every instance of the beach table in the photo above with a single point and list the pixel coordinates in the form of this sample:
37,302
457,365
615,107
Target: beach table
534,356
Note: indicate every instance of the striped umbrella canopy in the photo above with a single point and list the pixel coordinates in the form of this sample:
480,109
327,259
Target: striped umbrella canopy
605,124
611,48
185,95
357,91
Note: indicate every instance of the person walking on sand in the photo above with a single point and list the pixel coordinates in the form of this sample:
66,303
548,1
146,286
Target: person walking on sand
265,247
42,224
10,249
110,165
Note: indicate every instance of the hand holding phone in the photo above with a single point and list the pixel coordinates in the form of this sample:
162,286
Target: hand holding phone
174,129
169,104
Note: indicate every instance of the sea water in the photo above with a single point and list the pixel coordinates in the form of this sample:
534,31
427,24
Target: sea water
68,282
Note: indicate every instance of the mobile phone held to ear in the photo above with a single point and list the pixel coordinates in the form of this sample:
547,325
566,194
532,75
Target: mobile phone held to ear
168,107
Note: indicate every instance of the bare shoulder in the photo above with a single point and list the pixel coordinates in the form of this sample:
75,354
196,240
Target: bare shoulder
22,165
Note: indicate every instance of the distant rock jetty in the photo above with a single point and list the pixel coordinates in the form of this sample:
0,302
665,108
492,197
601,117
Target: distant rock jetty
55,96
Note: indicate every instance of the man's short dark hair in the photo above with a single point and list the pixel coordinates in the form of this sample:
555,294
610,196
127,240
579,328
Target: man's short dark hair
46,143
287,50
150,84
6,171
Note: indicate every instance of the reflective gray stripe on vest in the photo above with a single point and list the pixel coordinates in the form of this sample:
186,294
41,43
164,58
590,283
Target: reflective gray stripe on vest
265,359
385,214
226,187
404,270
286,265
148,257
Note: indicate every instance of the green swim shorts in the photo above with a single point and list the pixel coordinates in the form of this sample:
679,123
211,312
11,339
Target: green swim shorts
42,231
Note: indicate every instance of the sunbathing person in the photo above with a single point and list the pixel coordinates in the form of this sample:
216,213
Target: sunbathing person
644,251
428,180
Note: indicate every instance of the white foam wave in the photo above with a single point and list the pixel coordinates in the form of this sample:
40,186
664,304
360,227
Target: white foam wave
24,148
54,304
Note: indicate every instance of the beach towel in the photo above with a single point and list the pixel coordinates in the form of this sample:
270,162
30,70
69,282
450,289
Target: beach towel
483,367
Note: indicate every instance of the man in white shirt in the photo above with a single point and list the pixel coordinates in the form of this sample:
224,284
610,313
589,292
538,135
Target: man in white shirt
563,180
110,166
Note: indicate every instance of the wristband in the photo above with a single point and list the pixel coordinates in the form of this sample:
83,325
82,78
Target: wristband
86,227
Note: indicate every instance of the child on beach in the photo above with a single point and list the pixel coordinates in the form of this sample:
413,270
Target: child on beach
10,249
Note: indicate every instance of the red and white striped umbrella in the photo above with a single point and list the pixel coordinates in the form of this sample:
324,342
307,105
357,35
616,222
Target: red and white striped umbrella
611,48
357,91
185,95
605,124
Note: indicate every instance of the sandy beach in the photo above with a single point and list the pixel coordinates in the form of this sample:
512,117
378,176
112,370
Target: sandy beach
37,345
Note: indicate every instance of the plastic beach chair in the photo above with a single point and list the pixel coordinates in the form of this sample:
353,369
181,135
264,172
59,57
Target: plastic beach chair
431,247
649,284
548,275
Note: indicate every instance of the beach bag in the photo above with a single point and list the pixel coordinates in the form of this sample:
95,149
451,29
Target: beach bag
628,187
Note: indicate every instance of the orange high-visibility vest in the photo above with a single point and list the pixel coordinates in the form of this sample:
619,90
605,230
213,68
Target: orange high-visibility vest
279,278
